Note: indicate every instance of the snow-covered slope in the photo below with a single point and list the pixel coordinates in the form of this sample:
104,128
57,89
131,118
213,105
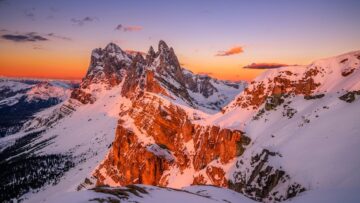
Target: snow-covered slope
13,90
198,194
86,133
149,194
44,91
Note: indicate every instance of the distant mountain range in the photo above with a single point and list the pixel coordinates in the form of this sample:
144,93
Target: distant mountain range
141,119
21,99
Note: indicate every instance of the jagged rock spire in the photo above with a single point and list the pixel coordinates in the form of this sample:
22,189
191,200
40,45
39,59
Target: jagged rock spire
167,55
139,58
151,51
112,47
105,65
163,47
150,56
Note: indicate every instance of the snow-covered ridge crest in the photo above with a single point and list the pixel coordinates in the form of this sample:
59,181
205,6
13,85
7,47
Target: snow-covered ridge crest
22,98
332,74
46,90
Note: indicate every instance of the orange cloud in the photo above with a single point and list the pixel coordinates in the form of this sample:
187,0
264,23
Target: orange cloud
265,65
128,28
231,51
132,28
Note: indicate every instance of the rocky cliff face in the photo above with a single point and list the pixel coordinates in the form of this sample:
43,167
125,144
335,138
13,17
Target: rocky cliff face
284,83
154,138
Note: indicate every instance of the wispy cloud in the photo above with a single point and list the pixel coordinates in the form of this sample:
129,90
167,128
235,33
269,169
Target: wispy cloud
82,21
27,37
59,36
128,28
31,36
38,47
132,28
231,51
119,27
265,65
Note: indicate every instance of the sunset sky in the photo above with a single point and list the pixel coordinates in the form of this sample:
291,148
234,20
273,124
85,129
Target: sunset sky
54,39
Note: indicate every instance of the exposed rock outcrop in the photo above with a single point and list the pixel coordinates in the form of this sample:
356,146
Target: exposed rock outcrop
259,180
281,84
169,127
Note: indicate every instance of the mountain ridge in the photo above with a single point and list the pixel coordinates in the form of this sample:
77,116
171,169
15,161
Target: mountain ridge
109,65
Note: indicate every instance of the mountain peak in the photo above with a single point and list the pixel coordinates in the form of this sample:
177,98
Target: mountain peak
112,47
150,55
139,58
105,65
151,51
167,55
163,46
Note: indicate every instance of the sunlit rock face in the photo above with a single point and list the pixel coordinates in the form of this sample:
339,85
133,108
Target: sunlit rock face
156,137
130,162
162,138
284,83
